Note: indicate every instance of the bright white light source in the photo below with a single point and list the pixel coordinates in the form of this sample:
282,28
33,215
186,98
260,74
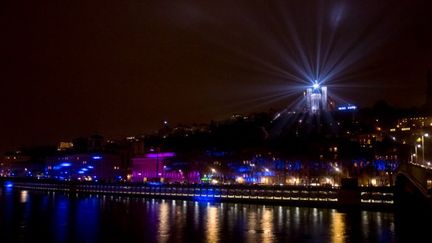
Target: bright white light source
316,85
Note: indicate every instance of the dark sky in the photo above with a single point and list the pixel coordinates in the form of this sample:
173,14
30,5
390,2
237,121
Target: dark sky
70,68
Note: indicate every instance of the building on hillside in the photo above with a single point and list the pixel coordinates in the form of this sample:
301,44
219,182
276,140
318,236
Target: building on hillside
316,98
86,167
152,167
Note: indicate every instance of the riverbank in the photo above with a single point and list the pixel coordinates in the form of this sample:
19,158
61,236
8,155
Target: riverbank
373,198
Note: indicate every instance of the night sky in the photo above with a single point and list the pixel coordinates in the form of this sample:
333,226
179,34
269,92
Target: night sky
71,68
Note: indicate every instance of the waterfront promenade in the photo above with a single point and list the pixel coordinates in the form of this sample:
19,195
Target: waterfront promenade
316,196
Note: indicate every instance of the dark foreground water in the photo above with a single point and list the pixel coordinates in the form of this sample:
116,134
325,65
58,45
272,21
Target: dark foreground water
29,216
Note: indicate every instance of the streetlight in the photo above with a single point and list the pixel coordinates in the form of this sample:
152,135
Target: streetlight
214,175
337,175
415,154
423,146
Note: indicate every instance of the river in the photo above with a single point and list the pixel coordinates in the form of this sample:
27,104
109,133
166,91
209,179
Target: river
36,216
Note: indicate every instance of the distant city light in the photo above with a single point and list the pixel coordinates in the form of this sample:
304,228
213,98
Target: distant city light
8,184
65,164
160,155
96,157
350,107
153,183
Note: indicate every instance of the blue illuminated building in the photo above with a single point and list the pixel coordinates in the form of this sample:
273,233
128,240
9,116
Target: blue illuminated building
86,167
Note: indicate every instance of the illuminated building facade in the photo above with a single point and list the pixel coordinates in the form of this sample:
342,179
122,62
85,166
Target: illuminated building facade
63,146
19,164
152,167
85,167
316,98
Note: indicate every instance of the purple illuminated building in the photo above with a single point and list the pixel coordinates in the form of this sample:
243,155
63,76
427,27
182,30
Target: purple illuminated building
152,167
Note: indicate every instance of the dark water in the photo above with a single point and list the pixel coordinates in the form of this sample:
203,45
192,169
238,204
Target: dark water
28,216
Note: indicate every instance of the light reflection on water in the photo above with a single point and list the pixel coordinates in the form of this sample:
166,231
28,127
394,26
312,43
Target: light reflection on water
23,196
212,225
164,224
28,215
338,227
266,225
